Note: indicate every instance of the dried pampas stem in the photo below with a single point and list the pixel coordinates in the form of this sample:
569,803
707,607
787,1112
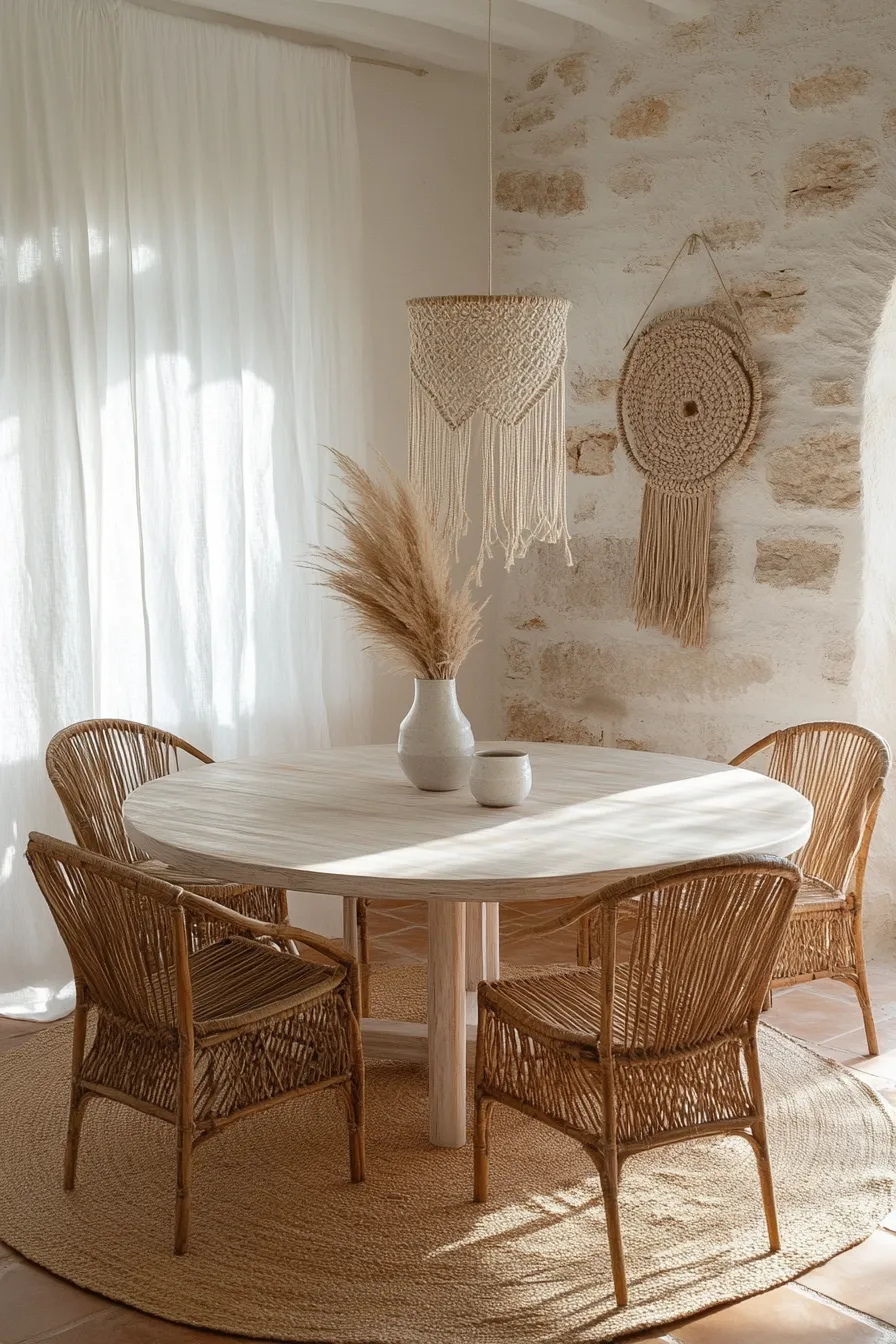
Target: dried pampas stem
394,574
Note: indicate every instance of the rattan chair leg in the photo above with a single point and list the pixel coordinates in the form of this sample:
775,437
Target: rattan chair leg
480,1148
364,957
767,1002
583,941
185,1137
609,1184
760,1148
78,1099
861,985
760,1144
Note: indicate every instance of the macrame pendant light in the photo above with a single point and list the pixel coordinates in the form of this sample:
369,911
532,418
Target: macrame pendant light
503,356
687,410
497,361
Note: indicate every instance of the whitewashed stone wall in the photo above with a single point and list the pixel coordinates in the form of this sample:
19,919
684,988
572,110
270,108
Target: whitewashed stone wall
771,127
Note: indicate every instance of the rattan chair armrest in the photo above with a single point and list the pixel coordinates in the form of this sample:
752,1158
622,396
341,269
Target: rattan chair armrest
201,905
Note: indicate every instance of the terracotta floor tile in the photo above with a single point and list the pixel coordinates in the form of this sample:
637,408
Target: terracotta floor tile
864,1277
782,1316
33,1301
855,1044
118,1325
812,1017
882,1066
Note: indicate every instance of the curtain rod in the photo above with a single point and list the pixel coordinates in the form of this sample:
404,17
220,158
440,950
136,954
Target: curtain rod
293,35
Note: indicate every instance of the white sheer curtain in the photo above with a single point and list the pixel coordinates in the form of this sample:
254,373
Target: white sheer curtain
179,339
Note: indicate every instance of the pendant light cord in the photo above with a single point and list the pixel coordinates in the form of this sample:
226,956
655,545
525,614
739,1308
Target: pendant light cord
491,182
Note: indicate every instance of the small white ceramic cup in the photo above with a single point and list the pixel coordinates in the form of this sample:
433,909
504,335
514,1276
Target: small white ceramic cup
500,776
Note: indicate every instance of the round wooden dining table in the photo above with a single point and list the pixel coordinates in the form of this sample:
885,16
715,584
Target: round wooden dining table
346,823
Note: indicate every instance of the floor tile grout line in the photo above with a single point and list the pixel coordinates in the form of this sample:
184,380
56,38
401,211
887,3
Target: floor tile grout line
105,1313
886,1330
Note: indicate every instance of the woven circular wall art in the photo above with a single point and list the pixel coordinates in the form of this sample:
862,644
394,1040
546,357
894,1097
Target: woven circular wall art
687,409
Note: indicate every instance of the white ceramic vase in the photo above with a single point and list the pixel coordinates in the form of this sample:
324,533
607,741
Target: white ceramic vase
435,740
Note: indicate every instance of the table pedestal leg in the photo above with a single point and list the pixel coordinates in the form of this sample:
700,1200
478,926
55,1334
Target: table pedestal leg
482,953
350,925
446,1025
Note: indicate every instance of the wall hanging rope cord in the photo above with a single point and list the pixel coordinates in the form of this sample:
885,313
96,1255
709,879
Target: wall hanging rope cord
687,409
504,356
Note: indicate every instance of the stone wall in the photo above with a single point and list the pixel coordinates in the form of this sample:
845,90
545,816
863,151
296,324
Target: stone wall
771,127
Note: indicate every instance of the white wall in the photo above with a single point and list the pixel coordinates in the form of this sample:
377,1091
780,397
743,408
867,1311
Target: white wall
424,201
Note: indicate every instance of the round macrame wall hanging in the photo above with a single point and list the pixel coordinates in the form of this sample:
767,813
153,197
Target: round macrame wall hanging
687,408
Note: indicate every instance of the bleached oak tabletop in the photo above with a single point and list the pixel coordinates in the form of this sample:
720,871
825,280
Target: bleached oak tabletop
347,823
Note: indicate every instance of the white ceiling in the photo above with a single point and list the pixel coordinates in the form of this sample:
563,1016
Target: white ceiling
453,32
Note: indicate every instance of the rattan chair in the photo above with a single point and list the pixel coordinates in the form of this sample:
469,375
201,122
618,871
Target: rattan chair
842,769
94,765
198,1039
660,1048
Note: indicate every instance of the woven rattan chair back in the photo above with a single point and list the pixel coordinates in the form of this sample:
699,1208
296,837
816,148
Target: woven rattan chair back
702,953
655,1047
201,1038
122,930
841,768
93,767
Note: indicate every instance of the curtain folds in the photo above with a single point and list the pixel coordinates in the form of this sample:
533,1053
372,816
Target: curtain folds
179,340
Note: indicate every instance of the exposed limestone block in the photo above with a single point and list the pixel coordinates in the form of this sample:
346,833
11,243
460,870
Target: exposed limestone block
517,659
589,450
692,36
541,193
630,179
833,392
572,71
623,77
538,77
889,126
830,88
726,234
775,302
586,386
830,176
580,674
797,562
573,136
643,118
721,560
597,584
527,721
529,623
752,22
837,661
528,115
821,471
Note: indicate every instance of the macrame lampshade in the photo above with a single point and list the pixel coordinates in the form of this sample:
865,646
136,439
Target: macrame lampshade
503,356
687,410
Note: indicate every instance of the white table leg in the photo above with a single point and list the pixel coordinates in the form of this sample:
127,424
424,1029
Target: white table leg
350,925
482,952
447,1026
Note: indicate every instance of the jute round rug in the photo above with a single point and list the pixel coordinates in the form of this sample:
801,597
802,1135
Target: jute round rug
285,1248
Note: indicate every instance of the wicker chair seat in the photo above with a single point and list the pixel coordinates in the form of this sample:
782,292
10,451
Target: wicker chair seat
816,894
544,1036
240,982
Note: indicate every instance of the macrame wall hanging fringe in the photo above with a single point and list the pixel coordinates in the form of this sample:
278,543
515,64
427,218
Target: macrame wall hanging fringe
687,409
501,357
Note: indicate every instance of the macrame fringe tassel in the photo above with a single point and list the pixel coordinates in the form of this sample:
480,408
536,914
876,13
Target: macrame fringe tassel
671,589
523,474
439,464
